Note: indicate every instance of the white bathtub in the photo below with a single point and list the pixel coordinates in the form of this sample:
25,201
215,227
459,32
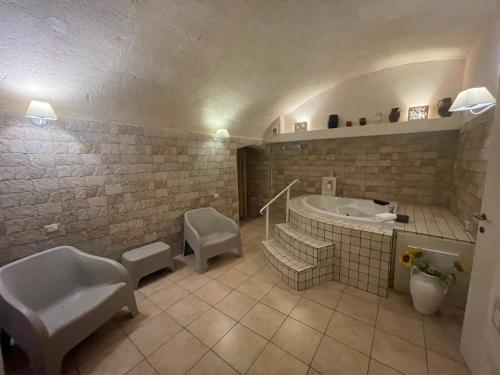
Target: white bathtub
361,211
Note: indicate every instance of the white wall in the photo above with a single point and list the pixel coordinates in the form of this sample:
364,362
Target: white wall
403,86
480,340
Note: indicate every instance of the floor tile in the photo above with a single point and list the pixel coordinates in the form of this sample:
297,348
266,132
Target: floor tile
377,368
178,355
230,347
352,332
361,294
213,292
399,354
143,368
181,272
255,288
116,359
267,274
233,278
154,285
312,372
336,358
274,361
188,309
401,325
236,304
221,264
312,314
147,310
358,308
105,336
326,296
439,365
168,297
152,334
263,320
211,326
298,339
443,341
281,300
138,296
211,364
250,266
194,282
400,302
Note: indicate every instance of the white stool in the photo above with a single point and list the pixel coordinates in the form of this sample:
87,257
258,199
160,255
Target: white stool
147,259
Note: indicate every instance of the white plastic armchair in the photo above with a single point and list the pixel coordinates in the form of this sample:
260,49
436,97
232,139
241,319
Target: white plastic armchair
210,233
52,300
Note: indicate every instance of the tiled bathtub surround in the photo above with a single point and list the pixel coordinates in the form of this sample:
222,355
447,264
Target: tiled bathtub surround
470,168
110,186
409,168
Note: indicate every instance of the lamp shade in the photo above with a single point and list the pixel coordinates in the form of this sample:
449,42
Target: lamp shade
222,133
41,110
474,99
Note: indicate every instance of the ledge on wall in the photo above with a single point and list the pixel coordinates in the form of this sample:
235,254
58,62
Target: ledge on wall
405,127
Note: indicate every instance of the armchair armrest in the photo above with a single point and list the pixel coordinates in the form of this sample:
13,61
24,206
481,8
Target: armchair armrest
228,223
191,235
102,270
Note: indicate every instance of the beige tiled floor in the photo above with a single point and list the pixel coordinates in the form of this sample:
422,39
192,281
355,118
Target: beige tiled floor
237,318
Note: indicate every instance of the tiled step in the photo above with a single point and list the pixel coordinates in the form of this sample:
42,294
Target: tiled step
305,247
294,272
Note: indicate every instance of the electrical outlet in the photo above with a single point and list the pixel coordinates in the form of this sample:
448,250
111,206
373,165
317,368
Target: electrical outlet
216,195
51,228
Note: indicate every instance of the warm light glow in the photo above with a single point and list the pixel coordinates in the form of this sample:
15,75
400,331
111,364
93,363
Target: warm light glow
40,112
221,134
476,100
420,112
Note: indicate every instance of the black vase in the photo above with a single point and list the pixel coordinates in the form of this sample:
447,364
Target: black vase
443,107
362,121
333,121
348,124
394,115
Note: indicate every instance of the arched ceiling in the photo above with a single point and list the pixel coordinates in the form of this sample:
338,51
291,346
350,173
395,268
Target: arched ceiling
205,64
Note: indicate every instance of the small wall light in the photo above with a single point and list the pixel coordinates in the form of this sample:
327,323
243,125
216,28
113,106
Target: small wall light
420,112
476,100
221,134
40,113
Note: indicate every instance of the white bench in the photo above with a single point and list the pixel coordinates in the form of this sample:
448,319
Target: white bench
147,259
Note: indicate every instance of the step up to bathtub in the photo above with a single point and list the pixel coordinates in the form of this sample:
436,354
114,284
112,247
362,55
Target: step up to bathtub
304,246
292,271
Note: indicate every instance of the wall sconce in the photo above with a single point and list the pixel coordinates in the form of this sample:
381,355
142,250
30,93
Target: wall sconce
40,113
299,147
301,126
420,112
283,148
476,100
221,134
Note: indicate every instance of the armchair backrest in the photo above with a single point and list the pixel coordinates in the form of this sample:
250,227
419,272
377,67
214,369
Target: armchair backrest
42,278
204,220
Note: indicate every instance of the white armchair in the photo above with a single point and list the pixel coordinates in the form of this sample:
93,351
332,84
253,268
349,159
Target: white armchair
52,300
210,233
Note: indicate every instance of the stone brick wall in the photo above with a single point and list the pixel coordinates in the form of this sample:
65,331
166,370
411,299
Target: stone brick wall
258,171
409,168
110,186
470,168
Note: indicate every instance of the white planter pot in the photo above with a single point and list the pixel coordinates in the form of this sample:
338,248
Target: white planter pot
427,292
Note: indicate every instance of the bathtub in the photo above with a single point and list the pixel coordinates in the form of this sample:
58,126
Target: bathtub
362,211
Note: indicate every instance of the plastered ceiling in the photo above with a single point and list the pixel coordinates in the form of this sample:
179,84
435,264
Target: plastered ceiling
201,65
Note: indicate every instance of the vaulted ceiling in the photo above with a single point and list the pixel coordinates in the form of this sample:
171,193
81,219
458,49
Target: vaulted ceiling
205,64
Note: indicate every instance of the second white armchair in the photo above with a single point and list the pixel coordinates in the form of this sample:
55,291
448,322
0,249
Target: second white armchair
210,233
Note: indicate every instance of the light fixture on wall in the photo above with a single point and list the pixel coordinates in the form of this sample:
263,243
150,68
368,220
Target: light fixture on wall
420,112
221,134
476,100
40,113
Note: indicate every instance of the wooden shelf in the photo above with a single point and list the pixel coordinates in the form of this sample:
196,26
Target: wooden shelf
370,130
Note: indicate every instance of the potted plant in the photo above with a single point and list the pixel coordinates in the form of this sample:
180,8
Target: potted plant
428,285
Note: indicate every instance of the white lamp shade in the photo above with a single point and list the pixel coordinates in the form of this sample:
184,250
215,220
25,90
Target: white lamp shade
222,133
473,98
41,110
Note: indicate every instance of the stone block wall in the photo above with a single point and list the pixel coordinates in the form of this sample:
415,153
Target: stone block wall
258,172
110,186
408,168
470,168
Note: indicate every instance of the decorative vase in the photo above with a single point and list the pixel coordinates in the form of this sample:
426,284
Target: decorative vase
348,123
362,121
333,121
443,107
378,118
394,115
426,291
